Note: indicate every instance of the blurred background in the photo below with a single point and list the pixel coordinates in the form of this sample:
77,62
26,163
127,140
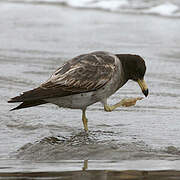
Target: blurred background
38,36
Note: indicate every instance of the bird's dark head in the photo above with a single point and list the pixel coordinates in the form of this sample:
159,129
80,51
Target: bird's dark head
134,68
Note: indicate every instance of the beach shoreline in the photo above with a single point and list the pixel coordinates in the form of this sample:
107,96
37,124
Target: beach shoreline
100,170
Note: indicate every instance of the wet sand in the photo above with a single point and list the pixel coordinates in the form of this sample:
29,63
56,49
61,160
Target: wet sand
94,175
33,46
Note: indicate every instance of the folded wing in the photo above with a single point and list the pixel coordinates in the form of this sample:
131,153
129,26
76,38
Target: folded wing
81,74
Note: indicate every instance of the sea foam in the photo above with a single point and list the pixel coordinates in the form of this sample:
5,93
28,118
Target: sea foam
122,6
166,9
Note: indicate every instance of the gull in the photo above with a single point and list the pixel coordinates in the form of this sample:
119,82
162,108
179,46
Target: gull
87,79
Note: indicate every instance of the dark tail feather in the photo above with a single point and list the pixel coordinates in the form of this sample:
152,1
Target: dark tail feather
27,104
27,96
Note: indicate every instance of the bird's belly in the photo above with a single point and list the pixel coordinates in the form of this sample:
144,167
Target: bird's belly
77,101
82,100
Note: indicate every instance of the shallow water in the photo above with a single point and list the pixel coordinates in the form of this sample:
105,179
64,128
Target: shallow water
33,45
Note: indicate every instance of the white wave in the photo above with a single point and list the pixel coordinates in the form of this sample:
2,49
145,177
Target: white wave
111,5
166,9
100,4
124,6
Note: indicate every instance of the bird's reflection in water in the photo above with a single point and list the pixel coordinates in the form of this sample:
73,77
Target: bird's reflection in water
85,165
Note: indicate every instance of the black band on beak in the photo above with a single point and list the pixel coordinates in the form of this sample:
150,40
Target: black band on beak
146,92
143,86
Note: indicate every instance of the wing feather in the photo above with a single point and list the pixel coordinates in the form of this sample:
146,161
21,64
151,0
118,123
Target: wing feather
83,73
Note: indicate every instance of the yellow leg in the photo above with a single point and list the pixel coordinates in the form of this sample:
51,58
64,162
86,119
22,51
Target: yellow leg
124,102
85,120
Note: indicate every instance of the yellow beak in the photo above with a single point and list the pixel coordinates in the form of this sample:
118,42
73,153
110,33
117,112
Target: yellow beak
143,86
